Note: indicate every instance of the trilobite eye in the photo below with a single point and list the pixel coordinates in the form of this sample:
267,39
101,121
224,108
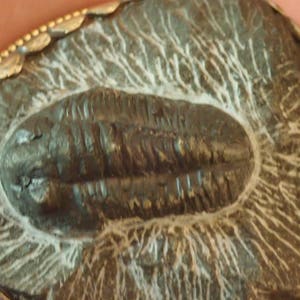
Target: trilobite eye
123,161
24,136
32,132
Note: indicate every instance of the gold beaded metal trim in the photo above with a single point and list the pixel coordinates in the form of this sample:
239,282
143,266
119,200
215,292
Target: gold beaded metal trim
12,59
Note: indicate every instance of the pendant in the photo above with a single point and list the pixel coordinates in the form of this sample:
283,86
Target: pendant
151,150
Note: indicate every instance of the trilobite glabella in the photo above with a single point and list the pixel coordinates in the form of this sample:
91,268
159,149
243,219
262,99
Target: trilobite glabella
106,154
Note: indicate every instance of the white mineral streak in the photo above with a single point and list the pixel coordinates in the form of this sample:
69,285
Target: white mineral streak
222,251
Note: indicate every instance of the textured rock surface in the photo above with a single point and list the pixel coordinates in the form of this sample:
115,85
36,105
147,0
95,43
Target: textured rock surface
237,55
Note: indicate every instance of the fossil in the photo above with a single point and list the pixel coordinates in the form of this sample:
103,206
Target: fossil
232,62
103,154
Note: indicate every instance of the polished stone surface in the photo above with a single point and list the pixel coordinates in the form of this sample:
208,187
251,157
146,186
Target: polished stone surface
236,55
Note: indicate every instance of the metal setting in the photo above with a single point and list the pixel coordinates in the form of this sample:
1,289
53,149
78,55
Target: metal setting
38,39
35,44
68,25
104,9
11,65
12,59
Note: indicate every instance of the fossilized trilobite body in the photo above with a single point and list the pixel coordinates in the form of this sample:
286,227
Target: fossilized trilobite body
106,154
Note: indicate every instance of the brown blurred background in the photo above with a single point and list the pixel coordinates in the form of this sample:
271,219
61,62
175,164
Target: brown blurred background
18,17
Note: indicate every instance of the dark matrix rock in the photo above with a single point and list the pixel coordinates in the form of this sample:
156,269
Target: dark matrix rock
154,154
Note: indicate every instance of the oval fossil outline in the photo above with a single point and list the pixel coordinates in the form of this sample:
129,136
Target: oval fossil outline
205,214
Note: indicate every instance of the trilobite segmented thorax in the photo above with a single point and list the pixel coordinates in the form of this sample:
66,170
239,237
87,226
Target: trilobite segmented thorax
107,154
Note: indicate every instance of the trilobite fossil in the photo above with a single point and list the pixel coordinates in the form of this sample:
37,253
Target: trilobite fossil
154,154
113,155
